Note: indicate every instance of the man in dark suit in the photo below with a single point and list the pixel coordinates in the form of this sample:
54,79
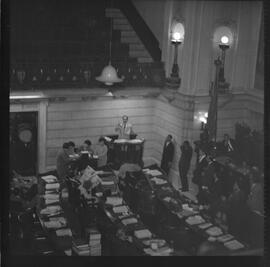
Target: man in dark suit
167,155
184,164
201,165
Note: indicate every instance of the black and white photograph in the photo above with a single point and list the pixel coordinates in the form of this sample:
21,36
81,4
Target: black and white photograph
136,128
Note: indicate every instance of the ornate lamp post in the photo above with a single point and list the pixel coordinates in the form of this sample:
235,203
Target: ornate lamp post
177,37
224,45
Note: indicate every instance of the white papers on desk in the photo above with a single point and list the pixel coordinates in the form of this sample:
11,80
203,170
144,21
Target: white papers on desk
144,233
214,231
50,209
120,209
159,181
225,238
114,201
49,179
233,245
205,225
55,223
63,232
152,172
52,186
193,220
129,221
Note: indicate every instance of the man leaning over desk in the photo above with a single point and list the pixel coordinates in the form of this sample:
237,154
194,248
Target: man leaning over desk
124,128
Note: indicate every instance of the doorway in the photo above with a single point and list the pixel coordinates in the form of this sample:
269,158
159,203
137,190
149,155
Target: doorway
23,142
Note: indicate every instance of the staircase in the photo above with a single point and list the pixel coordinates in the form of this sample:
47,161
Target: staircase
128,36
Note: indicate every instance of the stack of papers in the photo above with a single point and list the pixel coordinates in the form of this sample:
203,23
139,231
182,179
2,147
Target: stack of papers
80,247
49,179
144,233
51,196
109,184
52,186
131,220
51,201
114,201
55,223
120,209
63,232
94,242
50,210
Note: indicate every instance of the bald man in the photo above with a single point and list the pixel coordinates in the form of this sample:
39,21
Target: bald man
124,128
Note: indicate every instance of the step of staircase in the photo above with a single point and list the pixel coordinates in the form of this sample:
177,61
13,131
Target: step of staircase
122,27
136,46
144,60
129,33
120,21
130,40
139,53
114,13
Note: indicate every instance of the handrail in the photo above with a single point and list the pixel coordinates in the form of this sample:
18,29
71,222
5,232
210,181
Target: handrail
141,28
28,75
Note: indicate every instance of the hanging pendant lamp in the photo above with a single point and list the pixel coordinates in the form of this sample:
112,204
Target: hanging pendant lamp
109,75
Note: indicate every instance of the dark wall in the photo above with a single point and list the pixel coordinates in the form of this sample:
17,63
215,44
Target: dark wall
62,29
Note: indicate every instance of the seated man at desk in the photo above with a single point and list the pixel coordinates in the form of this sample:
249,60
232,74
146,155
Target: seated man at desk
124,128
87,146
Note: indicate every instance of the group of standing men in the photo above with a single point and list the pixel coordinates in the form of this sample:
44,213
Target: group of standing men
228,147
184,162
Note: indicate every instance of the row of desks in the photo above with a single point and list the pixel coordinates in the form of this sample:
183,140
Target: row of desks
173,208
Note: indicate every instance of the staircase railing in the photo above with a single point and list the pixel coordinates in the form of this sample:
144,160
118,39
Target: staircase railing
81,74
140,27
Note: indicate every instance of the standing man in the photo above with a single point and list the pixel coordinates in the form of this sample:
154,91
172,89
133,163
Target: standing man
101,151
167,155
63,160
201,165
184,164
124,128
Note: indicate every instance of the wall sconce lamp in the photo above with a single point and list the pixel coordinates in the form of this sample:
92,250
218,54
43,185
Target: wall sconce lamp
177,38
202,118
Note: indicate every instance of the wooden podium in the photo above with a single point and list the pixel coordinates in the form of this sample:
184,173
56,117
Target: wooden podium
121,151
